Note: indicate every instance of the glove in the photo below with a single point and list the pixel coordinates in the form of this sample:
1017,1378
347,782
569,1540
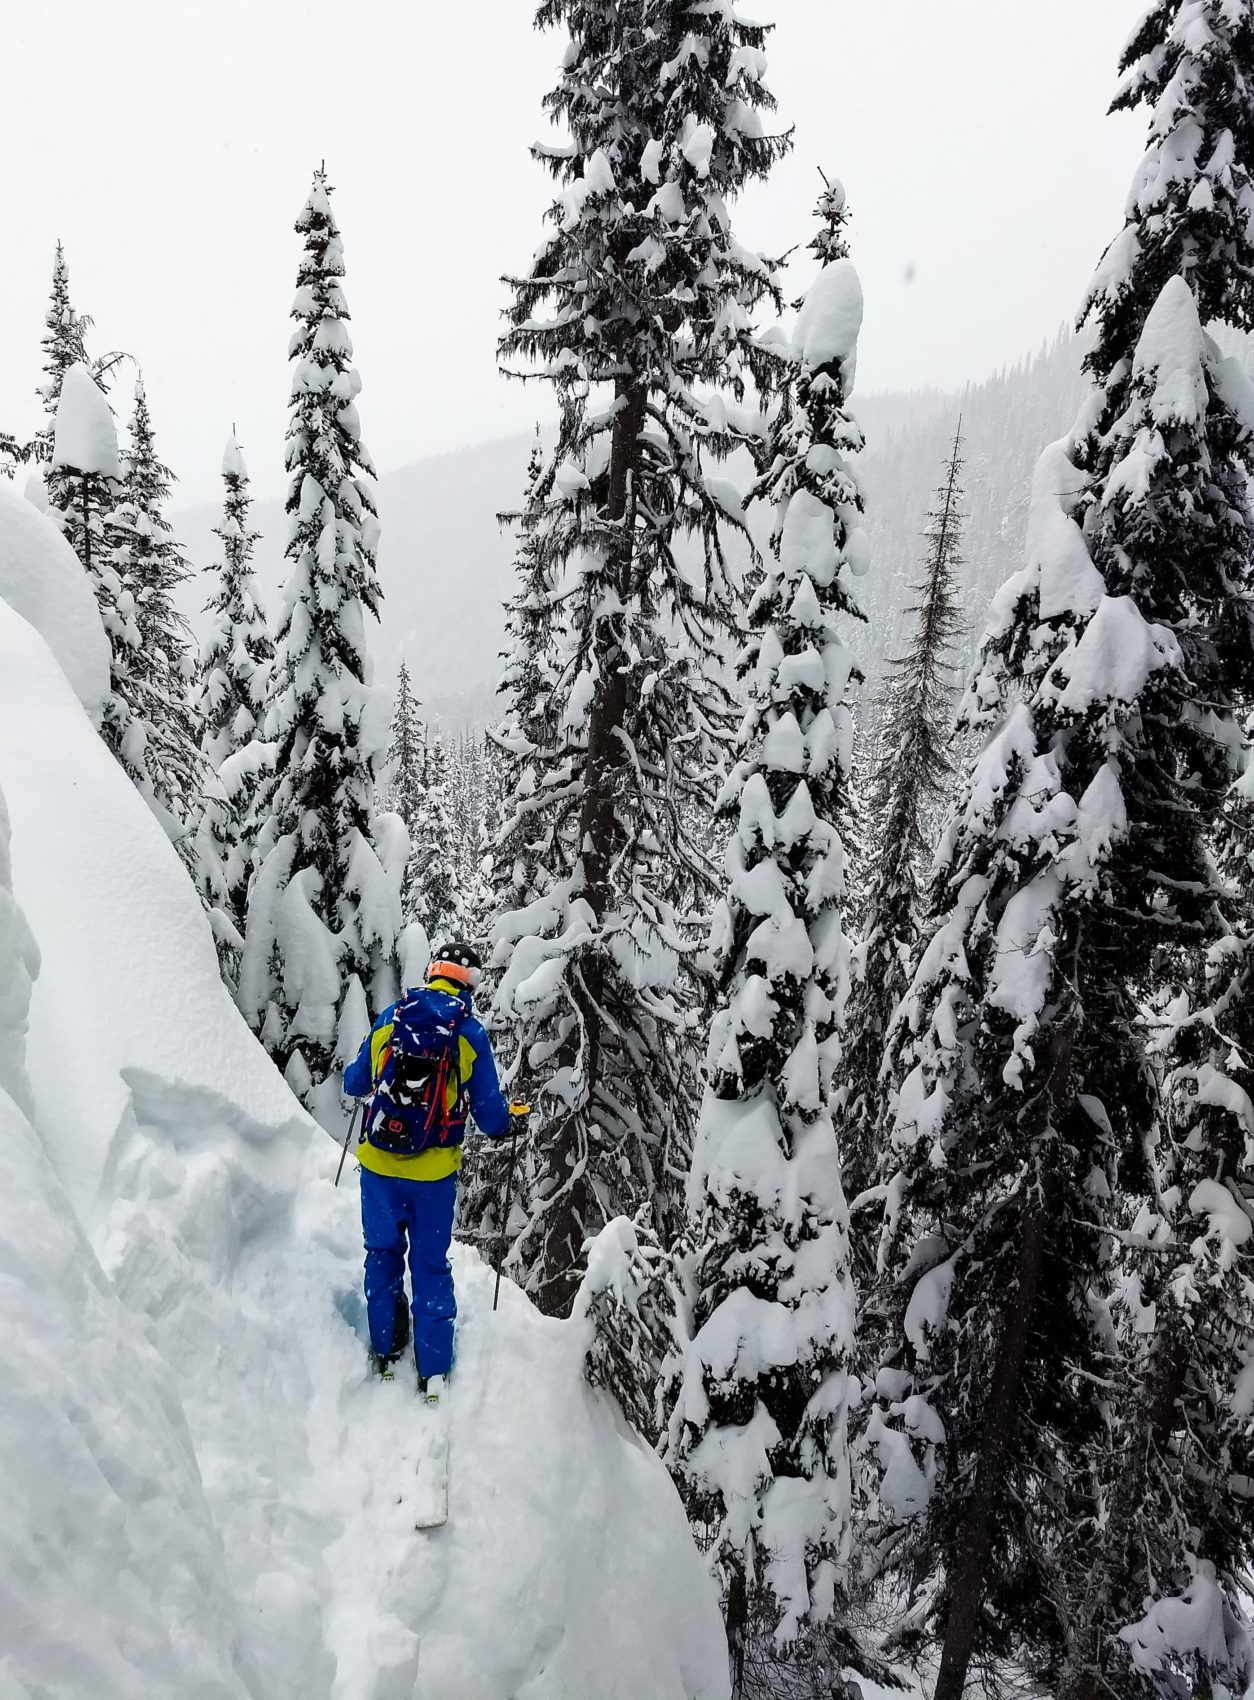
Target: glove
518,1122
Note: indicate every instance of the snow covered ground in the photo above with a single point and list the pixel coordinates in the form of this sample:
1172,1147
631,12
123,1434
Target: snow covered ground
201,1494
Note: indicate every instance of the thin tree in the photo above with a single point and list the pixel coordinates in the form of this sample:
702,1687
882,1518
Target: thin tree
637,309
233,684
63,347
914,767
320,947
758,1436
1076,865
149,565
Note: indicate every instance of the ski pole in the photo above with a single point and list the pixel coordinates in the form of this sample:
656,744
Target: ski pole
517,1113
347,1139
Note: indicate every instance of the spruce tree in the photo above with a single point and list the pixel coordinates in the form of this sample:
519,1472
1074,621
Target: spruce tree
233,683
62,344
527,730
88,470
1075,867
520,843
149,565
637,310
913,767
320,947
758,1436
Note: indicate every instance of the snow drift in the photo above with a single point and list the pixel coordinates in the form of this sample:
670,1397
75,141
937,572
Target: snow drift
202,1493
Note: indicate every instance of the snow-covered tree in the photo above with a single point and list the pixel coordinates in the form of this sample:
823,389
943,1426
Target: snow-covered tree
320,947
1076,866
913,767
88,468
155,683
526,731
62,344
637,310
419,791
520,843
233,683
758,1436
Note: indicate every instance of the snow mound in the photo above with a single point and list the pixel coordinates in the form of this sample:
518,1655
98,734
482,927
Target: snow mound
203,1492
830,319
85,438
42,577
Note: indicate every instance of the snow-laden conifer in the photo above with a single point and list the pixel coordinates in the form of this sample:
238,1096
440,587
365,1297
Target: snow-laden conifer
637,310
418,791
149,565
88,469
324,908
63,347
758,1436
521,822
233,682
1075,867
913,766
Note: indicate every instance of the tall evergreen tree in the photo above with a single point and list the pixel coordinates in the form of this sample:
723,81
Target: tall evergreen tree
233,682
914,765
1076,865
527,730
87,465
149,565
758,1437
637,311
62,344
520,844
320,947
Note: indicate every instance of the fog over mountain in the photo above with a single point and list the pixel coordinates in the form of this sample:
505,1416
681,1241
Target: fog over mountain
446,564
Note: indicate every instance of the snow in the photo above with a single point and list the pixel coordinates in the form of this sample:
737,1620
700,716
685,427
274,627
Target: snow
1111,664
200,1485
86,438
829,321
41,577
1171,354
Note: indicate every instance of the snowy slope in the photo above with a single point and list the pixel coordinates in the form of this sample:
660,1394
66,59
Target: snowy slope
199,1487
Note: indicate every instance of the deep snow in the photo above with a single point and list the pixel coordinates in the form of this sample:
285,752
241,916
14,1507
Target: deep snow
200,1489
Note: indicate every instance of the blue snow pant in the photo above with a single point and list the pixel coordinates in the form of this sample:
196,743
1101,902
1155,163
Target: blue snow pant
395,1212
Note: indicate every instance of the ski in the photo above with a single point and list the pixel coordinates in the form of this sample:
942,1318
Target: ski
432,1490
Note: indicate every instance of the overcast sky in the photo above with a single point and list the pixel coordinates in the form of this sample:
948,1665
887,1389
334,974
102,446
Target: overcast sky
169,144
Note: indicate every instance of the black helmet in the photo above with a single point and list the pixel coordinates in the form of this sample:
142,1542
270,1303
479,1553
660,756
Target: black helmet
457,961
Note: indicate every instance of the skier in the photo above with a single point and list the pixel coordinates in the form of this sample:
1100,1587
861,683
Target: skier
425,1065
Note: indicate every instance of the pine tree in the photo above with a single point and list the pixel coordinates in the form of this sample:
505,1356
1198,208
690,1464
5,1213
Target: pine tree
913,767
527,730
149,565
640,292
234,674
758,1439
88,468
62,343
435,875
521,843
1075,866
320,947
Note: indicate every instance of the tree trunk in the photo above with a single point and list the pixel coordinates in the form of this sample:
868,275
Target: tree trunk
605,761
973,1546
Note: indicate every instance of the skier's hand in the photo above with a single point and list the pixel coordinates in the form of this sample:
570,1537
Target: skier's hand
518,1122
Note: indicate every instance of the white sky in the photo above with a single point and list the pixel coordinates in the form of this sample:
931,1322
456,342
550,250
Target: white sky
169,144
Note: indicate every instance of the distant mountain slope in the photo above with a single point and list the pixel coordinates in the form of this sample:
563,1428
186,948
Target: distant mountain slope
446,564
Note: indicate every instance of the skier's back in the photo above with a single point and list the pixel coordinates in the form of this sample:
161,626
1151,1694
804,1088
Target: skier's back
428,1066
